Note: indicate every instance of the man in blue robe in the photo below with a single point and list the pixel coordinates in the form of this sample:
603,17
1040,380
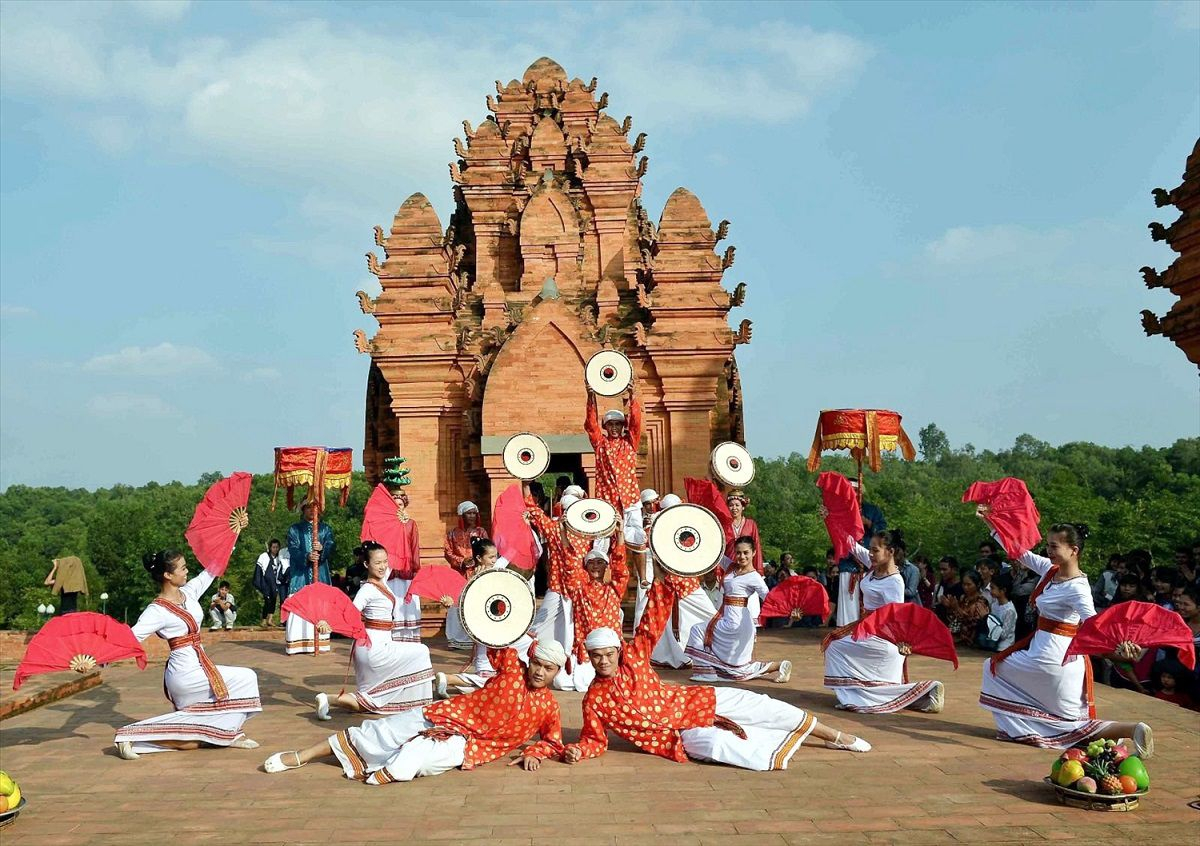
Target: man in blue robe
300,635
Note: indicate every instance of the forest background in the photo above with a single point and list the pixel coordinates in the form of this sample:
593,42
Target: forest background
1131,498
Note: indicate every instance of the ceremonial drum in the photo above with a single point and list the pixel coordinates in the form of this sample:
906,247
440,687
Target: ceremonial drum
732,465
609,373
687,540
591,518
526,456
496,608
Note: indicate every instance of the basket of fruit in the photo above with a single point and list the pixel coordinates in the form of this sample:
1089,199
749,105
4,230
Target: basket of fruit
11,801
1102,776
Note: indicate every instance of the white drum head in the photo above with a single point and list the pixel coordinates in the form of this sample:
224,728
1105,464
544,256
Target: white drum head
609,373
496,608
591,518
687,540
526,456
732,465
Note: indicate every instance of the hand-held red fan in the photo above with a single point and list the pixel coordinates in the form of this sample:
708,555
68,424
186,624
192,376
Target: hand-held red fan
843,515
1141,623
85,633
1010,511
382,524
704,492
219,519
436,582
512,534
906,623
796,593
319,601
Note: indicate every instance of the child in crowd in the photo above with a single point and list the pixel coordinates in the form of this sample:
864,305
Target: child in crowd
1105,588
1164,580
1129,588
222,610
987,568
1001,624
1170,683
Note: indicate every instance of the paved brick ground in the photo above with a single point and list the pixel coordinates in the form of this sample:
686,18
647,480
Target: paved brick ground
931,779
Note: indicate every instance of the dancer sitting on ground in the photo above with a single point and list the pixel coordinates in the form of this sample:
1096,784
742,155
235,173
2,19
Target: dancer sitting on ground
463,732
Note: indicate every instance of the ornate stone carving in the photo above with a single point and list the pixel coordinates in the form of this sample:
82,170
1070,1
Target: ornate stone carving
639,143
1151,277
722,230
379,239
627,124
1150,323
373,265
744,332
360,341
365,302
1162,197
727,258
738,297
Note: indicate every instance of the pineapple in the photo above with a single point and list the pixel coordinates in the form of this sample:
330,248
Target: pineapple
1110,785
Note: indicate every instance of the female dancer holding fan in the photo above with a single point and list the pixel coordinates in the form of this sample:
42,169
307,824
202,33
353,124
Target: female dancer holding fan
390,675
1034,697
211,702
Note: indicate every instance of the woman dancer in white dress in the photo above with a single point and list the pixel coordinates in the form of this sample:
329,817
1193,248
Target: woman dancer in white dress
1034,697
723,649
869,675
390,675
211,702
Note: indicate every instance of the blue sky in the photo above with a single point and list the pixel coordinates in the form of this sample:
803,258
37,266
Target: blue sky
939,208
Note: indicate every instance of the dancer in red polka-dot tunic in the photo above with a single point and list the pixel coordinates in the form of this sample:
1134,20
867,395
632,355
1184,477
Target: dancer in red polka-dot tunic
615,442
595,604
726,725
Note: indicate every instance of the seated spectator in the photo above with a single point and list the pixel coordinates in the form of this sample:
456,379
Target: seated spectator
1171,682
989,549
1185,562
222,610
948,587
831,585
912,579
787,565
1129,588
1000,629
1140,563
810,621
1025,581
967,611
987,569
1164,580
924,580
1105,587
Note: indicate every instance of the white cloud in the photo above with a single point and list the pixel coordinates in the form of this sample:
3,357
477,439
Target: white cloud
166,359
261,373
8,310
969,245
160,11
121,406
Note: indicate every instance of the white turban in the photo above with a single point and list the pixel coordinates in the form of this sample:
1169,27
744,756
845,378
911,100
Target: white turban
567,501
649,495
670,499
597,553
602,638
550,651
614,416
464,507
575,491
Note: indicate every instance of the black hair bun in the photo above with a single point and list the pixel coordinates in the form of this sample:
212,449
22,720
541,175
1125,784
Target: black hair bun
151,561
1082,530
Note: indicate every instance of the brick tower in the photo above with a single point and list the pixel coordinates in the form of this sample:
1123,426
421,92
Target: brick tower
549,256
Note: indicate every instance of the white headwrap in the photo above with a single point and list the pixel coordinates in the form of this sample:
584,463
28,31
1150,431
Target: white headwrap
602,638
567,501
551,651
597,553
465,506
649,495
575,491
670,499
614,416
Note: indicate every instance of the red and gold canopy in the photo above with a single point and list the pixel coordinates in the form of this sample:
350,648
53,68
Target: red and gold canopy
866,432
320,468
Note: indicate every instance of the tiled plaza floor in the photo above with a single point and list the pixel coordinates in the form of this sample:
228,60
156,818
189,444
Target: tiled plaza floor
930,779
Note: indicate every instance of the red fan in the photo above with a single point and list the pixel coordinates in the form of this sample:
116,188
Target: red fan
382,524
1010,511
219,519
67,642
513,536
704,492
796,592
1140,623
319,601
436,582
843,515
904,622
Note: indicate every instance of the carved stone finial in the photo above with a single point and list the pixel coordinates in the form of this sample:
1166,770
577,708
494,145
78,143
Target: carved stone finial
470,133
1158,232
379,240
744,333
549,290
642,166
1151,277
643,296
639,143
722,230
499,87
1150,323
647,259
491,103
373,264
459,149
455,174
1162,197
365,302
738,296
603,101
460,250
727,259
640,334
360,341
627,124
591,86
504,129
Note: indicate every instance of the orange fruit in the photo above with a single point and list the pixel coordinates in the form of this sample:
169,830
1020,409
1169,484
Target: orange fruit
1128,784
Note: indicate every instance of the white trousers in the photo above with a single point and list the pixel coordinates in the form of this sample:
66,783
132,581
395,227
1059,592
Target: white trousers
387,750
774,731
847,600
221,618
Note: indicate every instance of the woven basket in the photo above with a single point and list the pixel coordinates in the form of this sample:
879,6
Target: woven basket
1095,801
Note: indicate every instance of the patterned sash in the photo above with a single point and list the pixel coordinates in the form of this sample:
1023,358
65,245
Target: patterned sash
192,639
732,601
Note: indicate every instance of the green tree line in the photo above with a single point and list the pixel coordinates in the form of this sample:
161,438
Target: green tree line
1131,498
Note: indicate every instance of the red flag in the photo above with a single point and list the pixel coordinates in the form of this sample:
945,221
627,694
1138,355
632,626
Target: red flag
705,492
1010,511
319,601
82,633
796,592
1141,623
219,519
904,622
512,535
843,515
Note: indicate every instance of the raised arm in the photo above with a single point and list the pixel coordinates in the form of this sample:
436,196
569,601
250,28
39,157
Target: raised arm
634,421
618,565
505,660
860,553
591,421
197,585
654,621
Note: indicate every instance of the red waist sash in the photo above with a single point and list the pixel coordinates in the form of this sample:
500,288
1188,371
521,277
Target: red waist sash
215,681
